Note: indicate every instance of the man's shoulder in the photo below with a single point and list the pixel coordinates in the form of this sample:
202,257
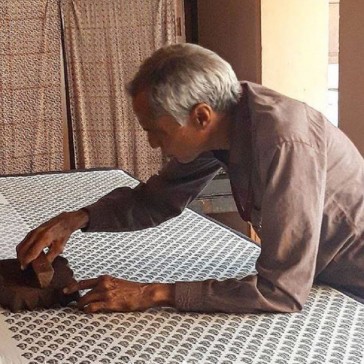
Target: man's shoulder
276,119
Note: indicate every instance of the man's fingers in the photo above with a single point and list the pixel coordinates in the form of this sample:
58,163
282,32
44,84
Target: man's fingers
32,253
51,255
26,257
97,307
109,294
53,233
90,297
81,285
24,243
23,246
54,250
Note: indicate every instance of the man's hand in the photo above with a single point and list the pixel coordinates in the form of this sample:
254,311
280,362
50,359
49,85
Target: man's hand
110,294
52,234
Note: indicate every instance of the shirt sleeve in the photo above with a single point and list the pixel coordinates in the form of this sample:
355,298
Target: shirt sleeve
162,197
292,210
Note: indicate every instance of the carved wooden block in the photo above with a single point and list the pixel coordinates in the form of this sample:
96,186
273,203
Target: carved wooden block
43,270
19,290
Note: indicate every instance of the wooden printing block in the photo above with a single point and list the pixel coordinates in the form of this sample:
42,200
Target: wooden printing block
43,270
19,290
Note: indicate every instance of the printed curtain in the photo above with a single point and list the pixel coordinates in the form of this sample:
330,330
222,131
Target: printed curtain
31,135
105,41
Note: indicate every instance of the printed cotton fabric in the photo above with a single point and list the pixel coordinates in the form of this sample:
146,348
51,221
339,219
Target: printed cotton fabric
31,137
106,41
190,247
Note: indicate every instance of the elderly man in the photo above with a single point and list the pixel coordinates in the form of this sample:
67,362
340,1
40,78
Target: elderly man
297,178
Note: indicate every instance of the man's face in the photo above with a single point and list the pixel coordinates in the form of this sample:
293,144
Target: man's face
183,142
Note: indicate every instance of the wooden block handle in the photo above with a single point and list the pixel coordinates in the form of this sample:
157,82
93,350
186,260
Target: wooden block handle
43,270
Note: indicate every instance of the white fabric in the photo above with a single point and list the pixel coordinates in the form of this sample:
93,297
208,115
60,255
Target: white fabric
3,200
329,329
9,353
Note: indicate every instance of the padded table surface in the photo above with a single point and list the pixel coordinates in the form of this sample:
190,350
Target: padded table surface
330,329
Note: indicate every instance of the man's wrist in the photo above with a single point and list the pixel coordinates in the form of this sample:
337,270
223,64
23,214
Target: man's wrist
162,294
78,219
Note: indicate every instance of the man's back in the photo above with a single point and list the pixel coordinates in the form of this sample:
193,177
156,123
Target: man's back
294,143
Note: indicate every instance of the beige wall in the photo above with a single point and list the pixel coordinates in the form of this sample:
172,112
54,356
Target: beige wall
351,71
295,48
281,44
232,29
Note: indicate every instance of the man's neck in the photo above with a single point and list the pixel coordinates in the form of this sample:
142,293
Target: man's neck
220,136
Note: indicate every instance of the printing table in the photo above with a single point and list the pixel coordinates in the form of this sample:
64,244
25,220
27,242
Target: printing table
330,329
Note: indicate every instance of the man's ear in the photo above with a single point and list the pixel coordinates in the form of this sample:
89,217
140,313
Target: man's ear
201,115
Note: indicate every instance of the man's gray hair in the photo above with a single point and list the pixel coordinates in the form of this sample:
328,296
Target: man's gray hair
180,76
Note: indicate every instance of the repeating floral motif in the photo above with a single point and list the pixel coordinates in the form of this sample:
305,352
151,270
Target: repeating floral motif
329,329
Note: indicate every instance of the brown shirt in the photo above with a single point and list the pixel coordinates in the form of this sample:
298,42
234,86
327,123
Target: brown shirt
298,179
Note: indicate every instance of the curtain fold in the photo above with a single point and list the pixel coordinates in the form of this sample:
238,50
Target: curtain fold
31,138
106,40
